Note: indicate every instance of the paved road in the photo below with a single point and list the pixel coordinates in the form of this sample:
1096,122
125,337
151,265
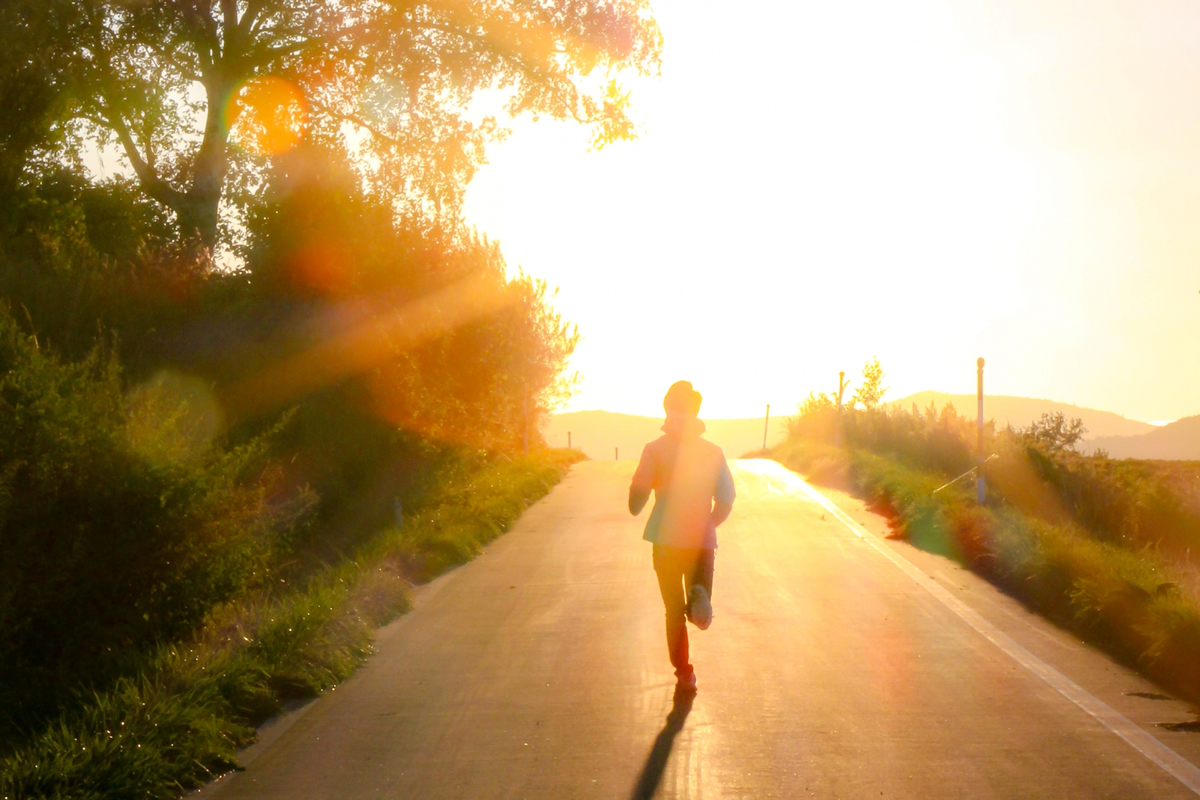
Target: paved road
838,665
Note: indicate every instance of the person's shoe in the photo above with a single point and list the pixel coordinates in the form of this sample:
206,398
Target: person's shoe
699,608
686,683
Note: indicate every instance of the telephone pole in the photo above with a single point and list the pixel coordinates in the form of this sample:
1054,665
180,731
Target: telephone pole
837,434
766,425
980,488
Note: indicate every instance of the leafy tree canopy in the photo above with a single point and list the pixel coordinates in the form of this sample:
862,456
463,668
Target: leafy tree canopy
871,391
1054,432
390,82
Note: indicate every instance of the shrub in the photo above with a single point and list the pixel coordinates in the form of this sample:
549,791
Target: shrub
1102,547
120,523
176,722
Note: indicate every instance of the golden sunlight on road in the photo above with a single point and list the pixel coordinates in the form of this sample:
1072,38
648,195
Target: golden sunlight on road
831,670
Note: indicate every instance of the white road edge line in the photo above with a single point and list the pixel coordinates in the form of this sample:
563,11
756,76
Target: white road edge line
1174,764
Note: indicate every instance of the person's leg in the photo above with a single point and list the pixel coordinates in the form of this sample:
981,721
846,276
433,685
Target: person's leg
702,572
670,569
699,575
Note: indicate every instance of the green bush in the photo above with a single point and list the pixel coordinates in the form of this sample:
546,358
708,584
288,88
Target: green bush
177,720
138,497
1101,547
120,524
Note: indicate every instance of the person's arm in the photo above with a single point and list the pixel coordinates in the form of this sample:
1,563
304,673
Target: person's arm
724,495
643,482
637,499
721,512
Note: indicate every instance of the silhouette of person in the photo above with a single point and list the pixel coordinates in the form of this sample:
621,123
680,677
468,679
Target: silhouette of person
693,494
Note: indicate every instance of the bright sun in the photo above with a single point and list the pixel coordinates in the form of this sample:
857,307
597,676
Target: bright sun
923,182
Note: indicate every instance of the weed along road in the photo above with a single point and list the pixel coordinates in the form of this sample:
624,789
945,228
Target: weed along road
839,664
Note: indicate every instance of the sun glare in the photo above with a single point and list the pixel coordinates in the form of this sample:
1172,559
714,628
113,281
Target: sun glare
924,182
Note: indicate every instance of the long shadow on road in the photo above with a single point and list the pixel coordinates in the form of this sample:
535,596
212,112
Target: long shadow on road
656,762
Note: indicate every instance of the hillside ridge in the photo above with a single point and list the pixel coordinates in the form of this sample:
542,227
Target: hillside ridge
608,434
1178,441
1021,411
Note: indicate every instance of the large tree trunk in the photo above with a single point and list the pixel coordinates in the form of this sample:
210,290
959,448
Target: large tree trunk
199,213
198,217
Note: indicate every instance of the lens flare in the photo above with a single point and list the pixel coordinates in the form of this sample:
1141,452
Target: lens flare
173,418
267,116
363,336
323,266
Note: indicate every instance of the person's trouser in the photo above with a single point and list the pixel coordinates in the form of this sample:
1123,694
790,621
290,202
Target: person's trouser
678,569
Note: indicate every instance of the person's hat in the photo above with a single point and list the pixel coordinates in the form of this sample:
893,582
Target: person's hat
681,398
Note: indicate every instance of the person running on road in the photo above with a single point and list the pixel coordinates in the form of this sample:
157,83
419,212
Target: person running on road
693,494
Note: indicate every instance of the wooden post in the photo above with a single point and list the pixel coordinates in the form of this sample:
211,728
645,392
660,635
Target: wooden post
837,435
980,488
766,425
616,457
568,440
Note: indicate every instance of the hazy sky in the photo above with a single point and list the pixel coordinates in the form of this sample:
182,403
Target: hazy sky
928,182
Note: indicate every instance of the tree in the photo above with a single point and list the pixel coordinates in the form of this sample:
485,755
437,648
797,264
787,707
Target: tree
872,389
388,81
816,417
31,91
815,403
1054,432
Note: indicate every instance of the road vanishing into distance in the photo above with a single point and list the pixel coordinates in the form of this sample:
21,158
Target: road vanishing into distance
839,664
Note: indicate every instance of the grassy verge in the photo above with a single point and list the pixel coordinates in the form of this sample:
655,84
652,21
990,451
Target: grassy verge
1134,602
178,722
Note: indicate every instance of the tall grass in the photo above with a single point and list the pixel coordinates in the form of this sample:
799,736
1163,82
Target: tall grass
1098,546
178,721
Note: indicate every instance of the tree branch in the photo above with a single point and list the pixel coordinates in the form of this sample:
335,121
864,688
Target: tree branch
229,13
265,55
356,120
110,115
201,29
153,184
168,54
250,19
531,71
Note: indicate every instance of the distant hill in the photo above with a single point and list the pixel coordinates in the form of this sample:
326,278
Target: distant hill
596,433
1178,441
1021,411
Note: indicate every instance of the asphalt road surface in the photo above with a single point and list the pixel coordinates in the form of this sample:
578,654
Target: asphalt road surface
839,664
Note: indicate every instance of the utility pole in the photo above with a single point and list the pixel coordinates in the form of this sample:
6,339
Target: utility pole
568,440
980,488
766,425
837,435
616,456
